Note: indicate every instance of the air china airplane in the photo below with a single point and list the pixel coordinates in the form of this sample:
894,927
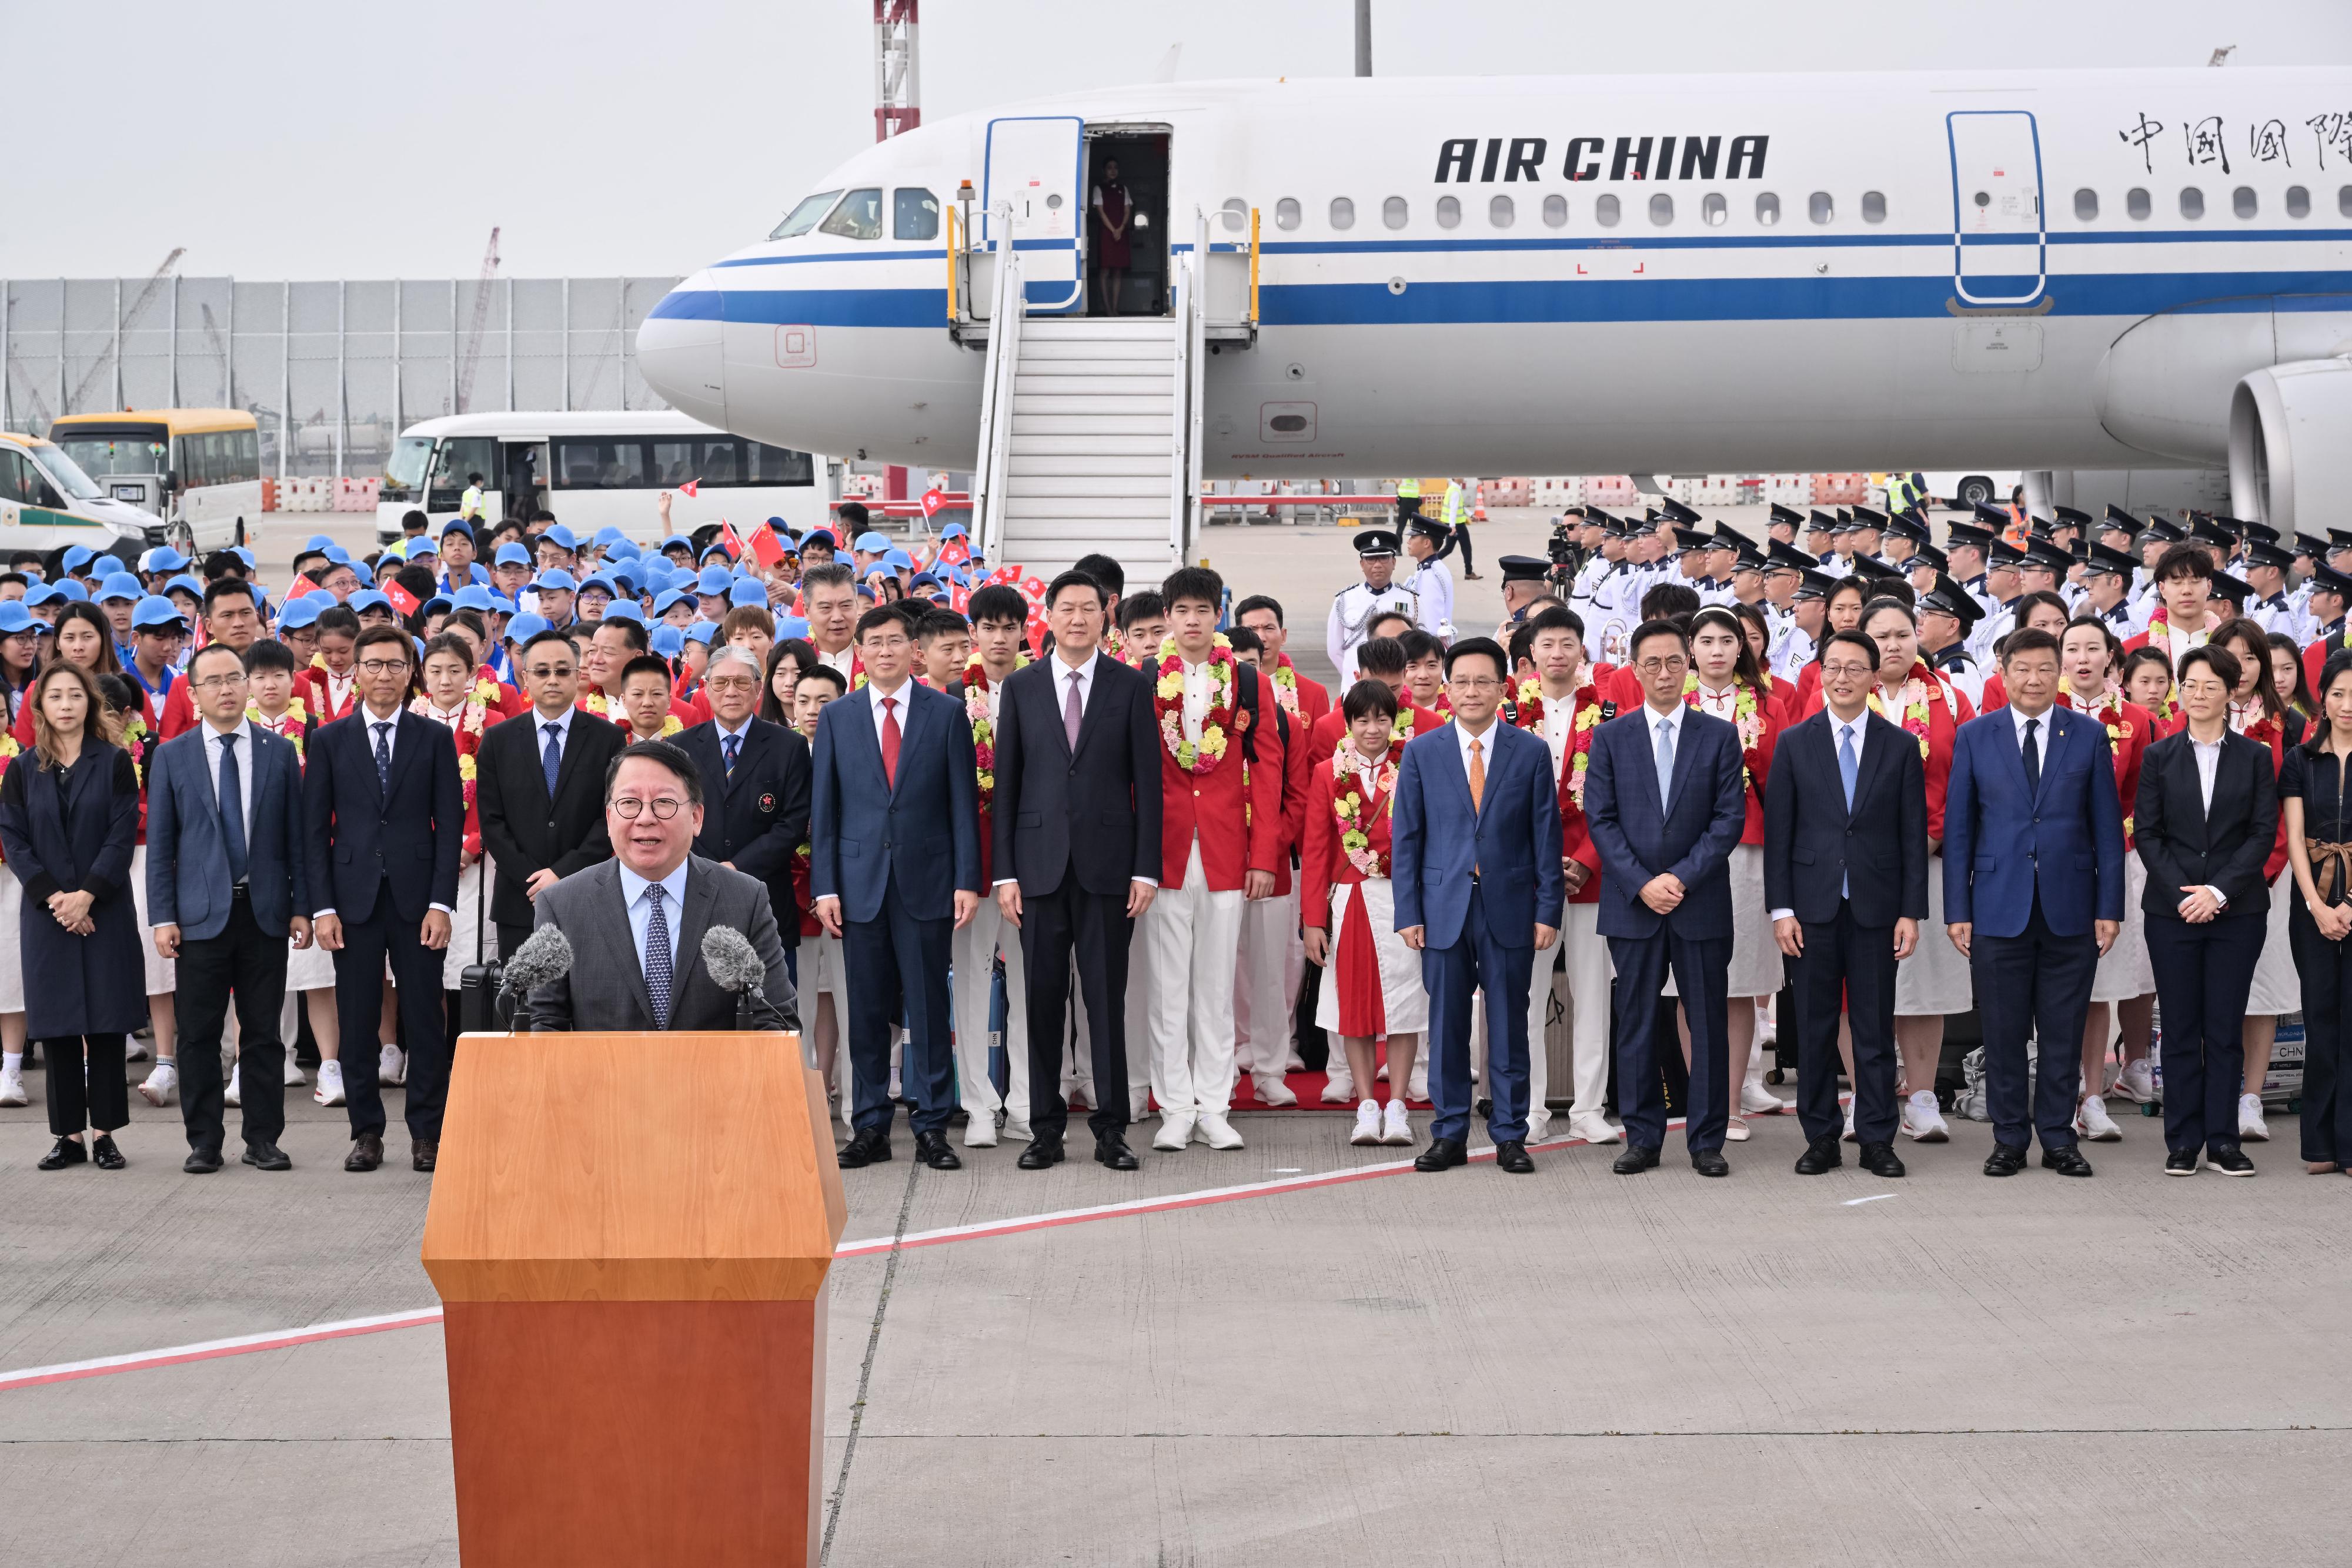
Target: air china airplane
2063,271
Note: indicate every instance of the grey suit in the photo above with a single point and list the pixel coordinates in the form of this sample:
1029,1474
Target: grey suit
606,987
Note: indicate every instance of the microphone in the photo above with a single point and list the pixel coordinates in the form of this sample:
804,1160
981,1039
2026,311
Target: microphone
737,967
544,958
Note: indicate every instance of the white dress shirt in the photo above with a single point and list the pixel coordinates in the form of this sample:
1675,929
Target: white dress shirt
1858,727
1062,672
841,659
390,735
899,696
2209,762
2019,720
1559,716
214,751
1650,717
1486,739
641,913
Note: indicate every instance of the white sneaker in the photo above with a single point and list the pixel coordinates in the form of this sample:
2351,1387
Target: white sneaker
1213,1130
161,1082
2138,1084
230,1093
135,1047
329,1091
1272,1092
1418,1090
1538,1125
2251,1128
1754,1100
391,1067
1396,1127
1294,1062
2093,1123
294,1078
1175,1132
1848,1123
1735,1130
1594,1127
12,1087
1340,1087
979,1131
1017,1132
1922,1122
1367,1123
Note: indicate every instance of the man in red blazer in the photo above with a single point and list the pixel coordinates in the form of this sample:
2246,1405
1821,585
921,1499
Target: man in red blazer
1221,826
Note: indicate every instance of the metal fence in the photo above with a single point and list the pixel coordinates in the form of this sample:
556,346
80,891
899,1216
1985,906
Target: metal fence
333,371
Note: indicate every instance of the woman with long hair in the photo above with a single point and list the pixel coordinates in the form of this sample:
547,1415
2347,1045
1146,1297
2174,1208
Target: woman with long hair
788,661
2293,683
2256,713
2312,791
2147,679
68,823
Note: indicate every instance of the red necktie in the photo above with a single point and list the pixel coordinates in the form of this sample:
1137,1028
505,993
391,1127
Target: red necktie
890,741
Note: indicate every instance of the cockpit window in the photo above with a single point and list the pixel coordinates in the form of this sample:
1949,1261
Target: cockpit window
914,214
803,217
859,216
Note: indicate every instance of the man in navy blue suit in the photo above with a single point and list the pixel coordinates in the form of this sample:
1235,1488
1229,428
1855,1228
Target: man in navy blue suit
1667,802
894,869
1474,863
2034,893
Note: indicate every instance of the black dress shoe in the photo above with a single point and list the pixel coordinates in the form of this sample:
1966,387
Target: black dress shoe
1881,1160
1482,1108
931,1148
367,1152
870,1146
1111,1151
201,1162
2066,1161
1443,1154
1043,1154
2181,1162
65,1152
1820,1156
266,1156
1710,1163
2006,1160
2230,1161
104,1155
1512,1155
423,1154
1635,1160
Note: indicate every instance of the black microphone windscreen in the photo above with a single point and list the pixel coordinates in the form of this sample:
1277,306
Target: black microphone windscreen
544,958
731,959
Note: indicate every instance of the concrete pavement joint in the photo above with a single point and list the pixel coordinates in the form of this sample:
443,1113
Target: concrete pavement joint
865,1372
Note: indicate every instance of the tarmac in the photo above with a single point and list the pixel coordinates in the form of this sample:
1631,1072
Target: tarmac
1381,1368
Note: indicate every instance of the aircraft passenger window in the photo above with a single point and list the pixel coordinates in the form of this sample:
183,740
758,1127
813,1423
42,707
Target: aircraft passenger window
1285,212
2344,200
1343,213
1873,207
2192,201
1236,214
2298,201
2242,203
1393,212
1713,209
2136,203
1501,213
1449,212
1555,212
914,214
1661,209
803,217
1604,212
1768,208
1820,208
859,216
2086,206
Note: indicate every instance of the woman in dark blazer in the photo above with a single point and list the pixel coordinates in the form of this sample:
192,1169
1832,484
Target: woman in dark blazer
68,820
2207,906
2313,787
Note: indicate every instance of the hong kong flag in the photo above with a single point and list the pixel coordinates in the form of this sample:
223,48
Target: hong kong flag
402,600
690,489
954,552
959,598
1032,588
733,541
1004,576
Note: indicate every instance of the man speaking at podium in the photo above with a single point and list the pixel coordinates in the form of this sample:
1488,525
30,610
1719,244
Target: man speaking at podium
635,922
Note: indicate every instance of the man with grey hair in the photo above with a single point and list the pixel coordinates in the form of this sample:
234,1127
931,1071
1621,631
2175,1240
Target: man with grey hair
755,783
829,599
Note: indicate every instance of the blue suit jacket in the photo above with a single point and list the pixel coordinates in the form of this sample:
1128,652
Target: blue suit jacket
1512,840
188,882
1693,838
2064,841
362,841
921,835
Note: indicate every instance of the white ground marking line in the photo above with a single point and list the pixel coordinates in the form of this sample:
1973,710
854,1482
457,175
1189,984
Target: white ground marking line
206,1349
1873,1197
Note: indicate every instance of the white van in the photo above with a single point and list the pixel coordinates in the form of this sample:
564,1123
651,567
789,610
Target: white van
592,470
46,503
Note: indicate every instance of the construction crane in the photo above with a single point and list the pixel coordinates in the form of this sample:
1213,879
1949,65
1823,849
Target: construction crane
481,321
80,398
898,96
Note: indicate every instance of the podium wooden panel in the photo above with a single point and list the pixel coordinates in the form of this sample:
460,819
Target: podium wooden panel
630,1234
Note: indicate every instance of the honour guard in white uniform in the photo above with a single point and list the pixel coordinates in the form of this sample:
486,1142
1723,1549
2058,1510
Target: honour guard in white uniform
2106,591
1807,616
2266,570
1947,613
1354,606
1432,582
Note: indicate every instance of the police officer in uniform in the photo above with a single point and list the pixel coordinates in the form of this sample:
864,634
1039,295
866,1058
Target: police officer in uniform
1821,536
1607,560
2267,569
1432,582
1948,613
1793,650
1784,571
1353,606
2001,584
1786,521
2106,591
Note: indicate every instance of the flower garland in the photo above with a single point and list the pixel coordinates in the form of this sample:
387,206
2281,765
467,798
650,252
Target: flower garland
1400,732
984,727
1745,716
1200,757
467,724
2249,719
1911,698
2159,631
1353,813
2109,713
1286,684
1579,761
287,726
134,741
326,692
1527,705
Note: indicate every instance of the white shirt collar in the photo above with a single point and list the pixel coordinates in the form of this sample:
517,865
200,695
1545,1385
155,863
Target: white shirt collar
562,722
2042,736
1651,718
632,886
876,693
1064,670
742,729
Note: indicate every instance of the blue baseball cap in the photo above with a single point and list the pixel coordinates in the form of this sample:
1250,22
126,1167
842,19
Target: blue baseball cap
457,525
370,599
337,555
243,555
702,632
298,614
559,535
714,580
163,557
15,618
748,590
670,596
473,597
669,641
597,580
523,628
318,542
554,578
625,610
439,601
513,554
609,535
184,582
625,579
953,531
825,537
792,627
715,548
676,541
502,603
896,560
120,585
39,593
74,589
872,543
420,545
157,611
77,556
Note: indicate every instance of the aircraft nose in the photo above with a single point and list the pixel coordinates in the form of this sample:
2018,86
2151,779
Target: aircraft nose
681,351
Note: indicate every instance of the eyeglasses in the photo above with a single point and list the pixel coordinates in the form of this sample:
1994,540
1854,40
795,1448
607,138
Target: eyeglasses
548,671
219,683
1475,683
1850,671
384,666
1660,666
630,808
731,683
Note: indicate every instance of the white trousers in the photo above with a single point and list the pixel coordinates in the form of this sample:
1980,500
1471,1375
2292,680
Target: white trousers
1190,937
1266,988
975,953
825,972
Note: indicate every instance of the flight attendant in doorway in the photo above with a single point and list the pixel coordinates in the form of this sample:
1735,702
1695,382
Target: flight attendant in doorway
1113,211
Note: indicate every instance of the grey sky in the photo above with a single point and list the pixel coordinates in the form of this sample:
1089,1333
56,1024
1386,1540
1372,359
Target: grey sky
277,139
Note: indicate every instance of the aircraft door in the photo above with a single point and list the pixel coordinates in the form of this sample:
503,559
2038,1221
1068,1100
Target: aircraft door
1036,164
1998,244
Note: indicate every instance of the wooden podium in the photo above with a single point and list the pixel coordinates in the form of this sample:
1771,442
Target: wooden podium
630,1234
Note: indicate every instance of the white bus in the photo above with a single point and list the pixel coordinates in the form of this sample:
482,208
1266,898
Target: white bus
594,469
199,469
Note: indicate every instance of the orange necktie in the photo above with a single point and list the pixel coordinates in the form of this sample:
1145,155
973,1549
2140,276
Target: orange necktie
1477,777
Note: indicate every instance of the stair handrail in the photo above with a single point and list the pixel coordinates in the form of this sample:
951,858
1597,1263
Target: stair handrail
997,394
1195,328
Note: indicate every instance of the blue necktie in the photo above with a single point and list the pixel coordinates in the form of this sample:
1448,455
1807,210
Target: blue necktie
1665,763
657,956
1849,766
232,808
552,759
731,746
384,757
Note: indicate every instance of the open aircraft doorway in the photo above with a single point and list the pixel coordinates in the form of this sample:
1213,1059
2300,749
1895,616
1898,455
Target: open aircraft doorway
1127,221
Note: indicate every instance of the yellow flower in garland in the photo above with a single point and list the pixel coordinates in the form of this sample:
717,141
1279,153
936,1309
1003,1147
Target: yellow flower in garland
466,766
1200,757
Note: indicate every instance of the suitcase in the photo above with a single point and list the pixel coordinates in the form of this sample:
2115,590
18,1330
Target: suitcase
479,983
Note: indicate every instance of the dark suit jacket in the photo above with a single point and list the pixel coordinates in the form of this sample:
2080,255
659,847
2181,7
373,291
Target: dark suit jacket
2004,847
607,987
755,818
1511,838
76,838
1693,838
523,830
363,839
1093,813
1813,846
2185,846
188,882
920,835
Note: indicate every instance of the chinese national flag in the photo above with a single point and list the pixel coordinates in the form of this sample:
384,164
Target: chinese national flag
402,600
733,541
766,548
690,489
